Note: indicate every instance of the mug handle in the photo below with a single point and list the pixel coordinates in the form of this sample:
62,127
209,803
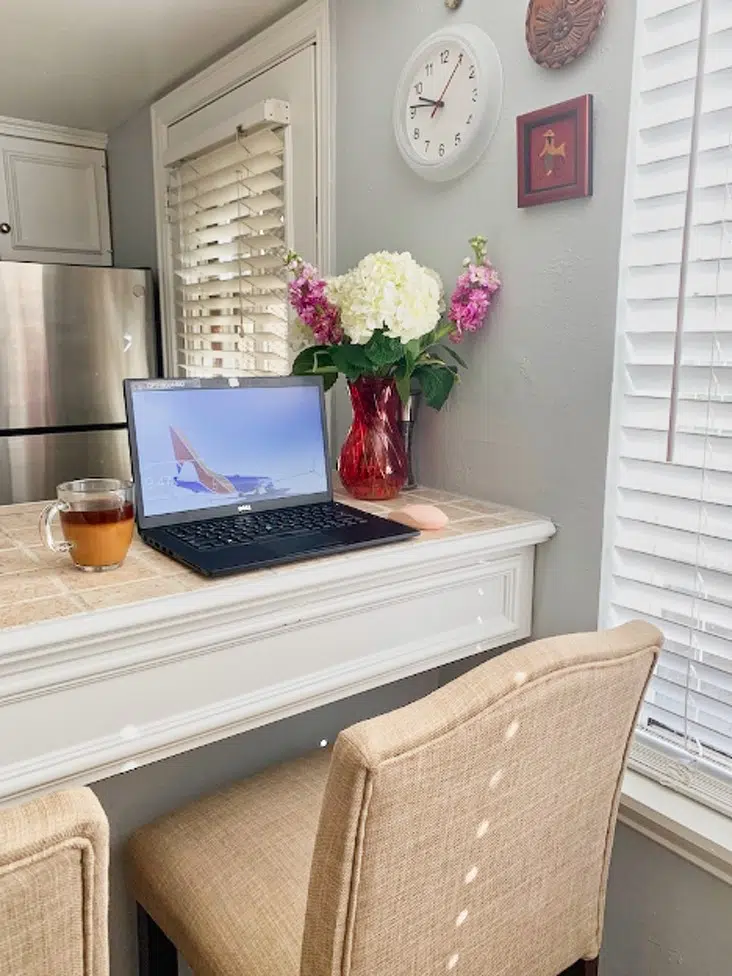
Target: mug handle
45,524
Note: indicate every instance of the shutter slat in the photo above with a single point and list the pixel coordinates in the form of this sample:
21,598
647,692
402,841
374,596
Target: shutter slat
671,521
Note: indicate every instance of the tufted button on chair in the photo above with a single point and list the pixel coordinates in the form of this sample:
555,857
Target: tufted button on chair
467,833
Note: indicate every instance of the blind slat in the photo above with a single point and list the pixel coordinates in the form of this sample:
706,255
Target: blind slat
226,209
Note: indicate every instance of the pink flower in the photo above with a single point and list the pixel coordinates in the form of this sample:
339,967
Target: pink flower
308,298
471,299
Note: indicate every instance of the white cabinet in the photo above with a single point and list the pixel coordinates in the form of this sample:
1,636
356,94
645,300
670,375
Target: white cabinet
53,203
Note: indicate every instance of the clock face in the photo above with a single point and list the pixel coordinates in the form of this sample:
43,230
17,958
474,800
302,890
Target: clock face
444,103
448,102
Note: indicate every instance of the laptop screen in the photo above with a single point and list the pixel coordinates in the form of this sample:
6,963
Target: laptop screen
203,445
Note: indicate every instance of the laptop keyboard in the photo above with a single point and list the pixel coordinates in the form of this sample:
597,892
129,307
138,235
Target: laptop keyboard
242,530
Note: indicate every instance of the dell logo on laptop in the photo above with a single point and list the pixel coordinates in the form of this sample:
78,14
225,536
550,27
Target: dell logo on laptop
245,508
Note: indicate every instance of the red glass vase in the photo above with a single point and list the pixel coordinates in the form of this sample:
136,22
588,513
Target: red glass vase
373,461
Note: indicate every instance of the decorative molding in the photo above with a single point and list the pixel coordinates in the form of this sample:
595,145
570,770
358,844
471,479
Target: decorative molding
12,160
270,646
207,634
348,577
681,825
308,24
109,755
25,129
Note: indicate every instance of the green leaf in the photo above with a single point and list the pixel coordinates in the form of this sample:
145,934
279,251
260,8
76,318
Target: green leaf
351,360
356,354
305,361
451,352
316,361
383,350
329,379
436,382
427,340
404,384
412,350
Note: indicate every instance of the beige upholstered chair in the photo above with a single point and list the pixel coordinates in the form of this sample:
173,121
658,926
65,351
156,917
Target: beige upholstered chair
54,861
468,833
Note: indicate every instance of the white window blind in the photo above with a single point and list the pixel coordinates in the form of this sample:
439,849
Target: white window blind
669,514
227,211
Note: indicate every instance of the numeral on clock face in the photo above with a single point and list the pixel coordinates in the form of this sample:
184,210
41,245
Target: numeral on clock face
444,91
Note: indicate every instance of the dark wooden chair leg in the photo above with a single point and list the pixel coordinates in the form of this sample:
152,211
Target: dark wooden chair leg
156,954
585,967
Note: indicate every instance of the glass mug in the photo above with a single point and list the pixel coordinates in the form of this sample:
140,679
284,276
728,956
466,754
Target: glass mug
97,518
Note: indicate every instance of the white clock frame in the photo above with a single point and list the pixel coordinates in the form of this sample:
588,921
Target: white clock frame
489,79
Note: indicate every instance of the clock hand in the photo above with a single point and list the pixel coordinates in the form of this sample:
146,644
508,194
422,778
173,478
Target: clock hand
440,102
428,103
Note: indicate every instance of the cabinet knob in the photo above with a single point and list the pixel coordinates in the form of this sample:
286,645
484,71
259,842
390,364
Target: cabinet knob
5,228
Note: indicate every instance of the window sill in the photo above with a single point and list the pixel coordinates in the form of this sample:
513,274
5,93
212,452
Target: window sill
682,825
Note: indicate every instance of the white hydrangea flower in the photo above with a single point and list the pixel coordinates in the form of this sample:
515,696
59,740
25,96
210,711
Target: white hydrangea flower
387,290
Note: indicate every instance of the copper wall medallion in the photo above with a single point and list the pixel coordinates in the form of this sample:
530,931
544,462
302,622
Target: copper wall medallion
559,31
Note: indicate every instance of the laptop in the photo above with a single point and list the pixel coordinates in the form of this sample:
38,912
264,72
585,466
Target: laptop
233,474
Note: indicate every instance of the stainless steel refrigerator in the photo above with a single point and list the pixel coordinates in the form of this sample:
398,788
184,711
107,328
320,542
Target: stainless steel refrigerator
69,335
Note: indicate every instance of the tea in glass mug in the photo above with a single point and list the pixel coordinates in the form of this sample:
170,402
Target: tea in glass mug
97,518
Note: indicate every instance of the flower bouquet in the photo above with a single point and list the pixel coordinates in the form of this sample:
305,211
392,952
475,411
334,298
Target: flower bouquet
383,325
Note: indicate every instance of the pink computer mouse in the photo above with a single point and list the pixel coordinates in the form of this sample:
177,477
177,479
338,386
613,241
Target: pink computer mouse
429,518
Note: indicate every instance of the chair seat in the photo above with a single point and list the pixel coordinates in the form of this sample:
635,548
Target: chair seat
226,878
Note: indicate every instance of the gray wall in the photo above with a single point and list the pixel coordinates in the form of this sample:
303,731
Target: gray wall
529,423
131,193
665,917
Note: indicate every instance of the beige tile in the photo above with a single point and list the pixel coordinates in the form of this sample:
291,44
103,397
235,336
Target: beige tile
413,498
28,586
447,533
34,611
435,495
476,505
163,565
25,537
23,508
483,523
45,559
117,596
16,561
131,571
9,521
513,517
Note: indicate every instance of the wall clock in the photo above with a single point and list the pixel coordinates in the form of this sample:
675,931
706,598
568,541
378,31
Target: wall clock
448,102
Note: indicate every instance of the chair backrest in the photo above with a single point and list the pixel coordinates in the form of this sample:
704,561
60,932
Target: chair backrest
54,861
471,831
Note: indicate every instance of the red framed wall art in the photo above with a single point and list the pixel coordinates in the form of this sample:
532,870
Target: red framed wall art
555,152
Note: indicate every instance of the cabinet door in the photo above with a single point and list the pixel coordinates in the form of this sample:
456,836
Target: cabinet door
53,203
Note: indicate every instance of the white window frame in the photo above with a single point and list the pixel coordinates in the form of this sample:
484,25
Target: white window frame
672,771
306,25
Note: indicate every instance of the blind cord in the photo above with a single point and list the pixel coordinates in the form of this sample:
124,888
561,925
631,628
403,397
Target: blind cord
688,228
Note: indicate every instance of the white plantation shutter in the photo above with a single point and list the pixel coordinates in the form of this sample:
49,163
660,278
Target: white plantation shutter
227,209
669,518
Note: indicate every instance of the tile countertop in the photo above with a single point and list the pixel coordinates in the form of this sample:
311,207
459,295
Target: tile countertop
37,585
